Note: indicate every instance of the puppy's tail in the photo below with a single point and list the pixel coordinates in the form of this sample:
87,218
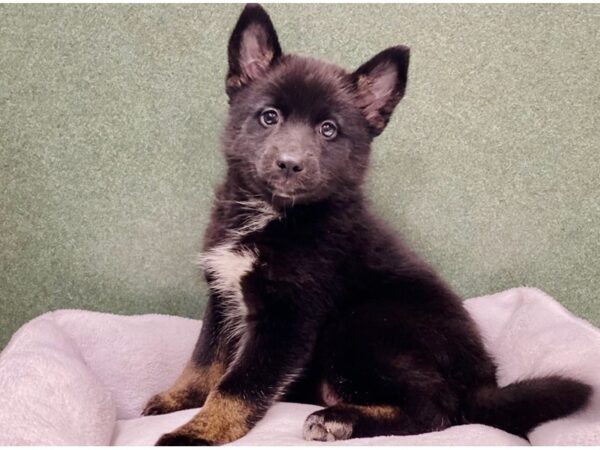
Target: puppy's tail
521,406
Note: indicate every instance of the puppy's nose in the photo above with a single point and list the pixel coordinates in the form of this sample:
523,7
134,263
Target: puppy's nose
290,166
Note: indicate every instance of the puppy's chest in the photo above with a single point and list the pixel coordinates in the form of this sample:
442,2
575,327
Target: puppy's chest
228,260
226,265
277,262
254,240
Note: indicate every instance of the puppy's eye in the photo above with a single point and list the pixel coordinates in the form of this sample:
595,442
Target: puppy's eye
328,129
269,117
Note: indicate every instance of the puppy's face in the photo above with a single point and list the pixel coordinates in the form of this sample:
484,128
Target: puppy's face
299,129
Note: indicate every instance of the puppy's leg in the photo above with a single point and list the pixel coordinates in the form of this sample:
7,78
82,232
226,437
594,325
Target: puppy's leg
378,379
189,391
272,354
201,374
344,421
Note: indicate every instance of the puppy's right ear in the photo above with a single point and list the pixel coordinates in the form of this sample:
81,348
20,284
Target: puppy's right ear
253,48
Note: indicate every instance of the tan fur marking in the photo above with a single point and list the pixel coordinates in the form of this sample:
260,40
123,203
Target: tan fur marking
195,378
190,389
378,412
223,419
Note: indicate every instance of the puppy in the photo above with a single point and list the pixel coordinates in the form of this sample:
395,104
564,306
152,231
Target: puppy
314,300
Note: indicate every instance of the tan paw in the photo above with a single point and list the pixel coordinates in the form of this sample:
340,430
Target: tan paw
179,438
160,404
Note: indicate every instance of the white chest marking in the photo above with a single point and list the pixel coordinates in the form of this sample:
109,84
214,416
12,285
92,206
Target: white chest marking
227,267
227,264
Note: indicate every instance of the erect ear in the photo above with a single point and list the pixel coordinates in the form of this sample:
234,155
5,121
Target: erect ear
253,48
379,84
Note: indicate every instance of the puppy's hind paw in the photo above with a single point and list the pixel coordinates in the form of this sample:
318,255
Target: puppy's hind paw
318,427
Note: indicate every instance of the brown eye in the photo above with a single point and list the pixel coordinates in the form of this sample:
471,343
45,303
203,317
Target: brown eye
269,117
328,129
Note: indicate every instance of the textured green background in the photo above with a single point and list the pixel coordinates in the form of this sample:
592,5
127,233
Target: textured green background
110,118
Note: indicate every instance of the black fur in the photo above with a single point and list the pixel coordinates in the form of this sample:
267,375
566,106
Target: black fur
338,311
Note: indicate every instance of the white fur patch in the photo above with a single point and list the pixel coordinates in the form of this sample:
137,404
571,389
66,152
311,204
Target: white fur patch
227,266
317,428
228,263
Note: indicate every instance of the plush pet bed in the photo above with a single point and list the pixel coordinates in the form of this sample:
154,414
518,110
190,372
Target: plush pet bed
79,377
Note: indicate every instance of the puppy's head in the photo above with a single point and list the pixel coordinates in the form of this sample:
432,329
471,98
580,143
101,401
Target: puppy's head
299,129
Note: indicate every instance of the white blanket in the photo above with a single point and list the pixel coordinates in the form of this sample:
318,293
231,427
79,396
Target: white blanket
82,378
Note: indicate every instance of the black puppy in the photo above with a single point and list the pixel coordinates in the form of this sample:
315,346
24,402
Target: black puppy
312,299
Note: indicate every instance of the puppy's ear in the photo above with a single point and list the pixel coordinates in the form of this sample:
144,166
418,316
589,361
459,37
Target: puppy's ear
253,48
379,85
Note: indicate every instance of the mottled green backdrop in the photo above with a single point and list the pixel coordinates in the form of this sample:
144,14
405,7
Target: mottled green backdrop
110,117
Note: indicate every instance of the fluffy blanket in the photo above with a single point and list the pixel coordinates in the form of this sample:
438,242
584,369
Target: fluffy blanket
80,377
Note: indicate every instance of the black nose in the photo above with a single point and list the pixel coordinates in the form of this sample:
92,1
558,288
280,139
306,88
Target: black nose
290,166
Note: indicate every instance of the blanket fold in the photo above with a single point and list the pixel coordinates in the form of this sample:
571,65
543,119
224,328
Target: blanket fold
74,377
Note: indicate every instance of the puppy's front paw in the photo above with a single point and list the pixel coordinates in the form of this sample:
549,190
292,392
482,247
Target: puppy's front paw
180,439
159,404
319,427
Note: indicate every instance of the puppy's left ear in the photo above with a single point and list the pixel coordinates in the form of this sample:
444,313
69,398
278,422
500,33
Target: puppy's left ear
253,48
380,84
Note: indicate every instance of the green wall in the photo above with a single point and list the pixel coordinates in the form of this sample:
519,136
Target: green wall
110,118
